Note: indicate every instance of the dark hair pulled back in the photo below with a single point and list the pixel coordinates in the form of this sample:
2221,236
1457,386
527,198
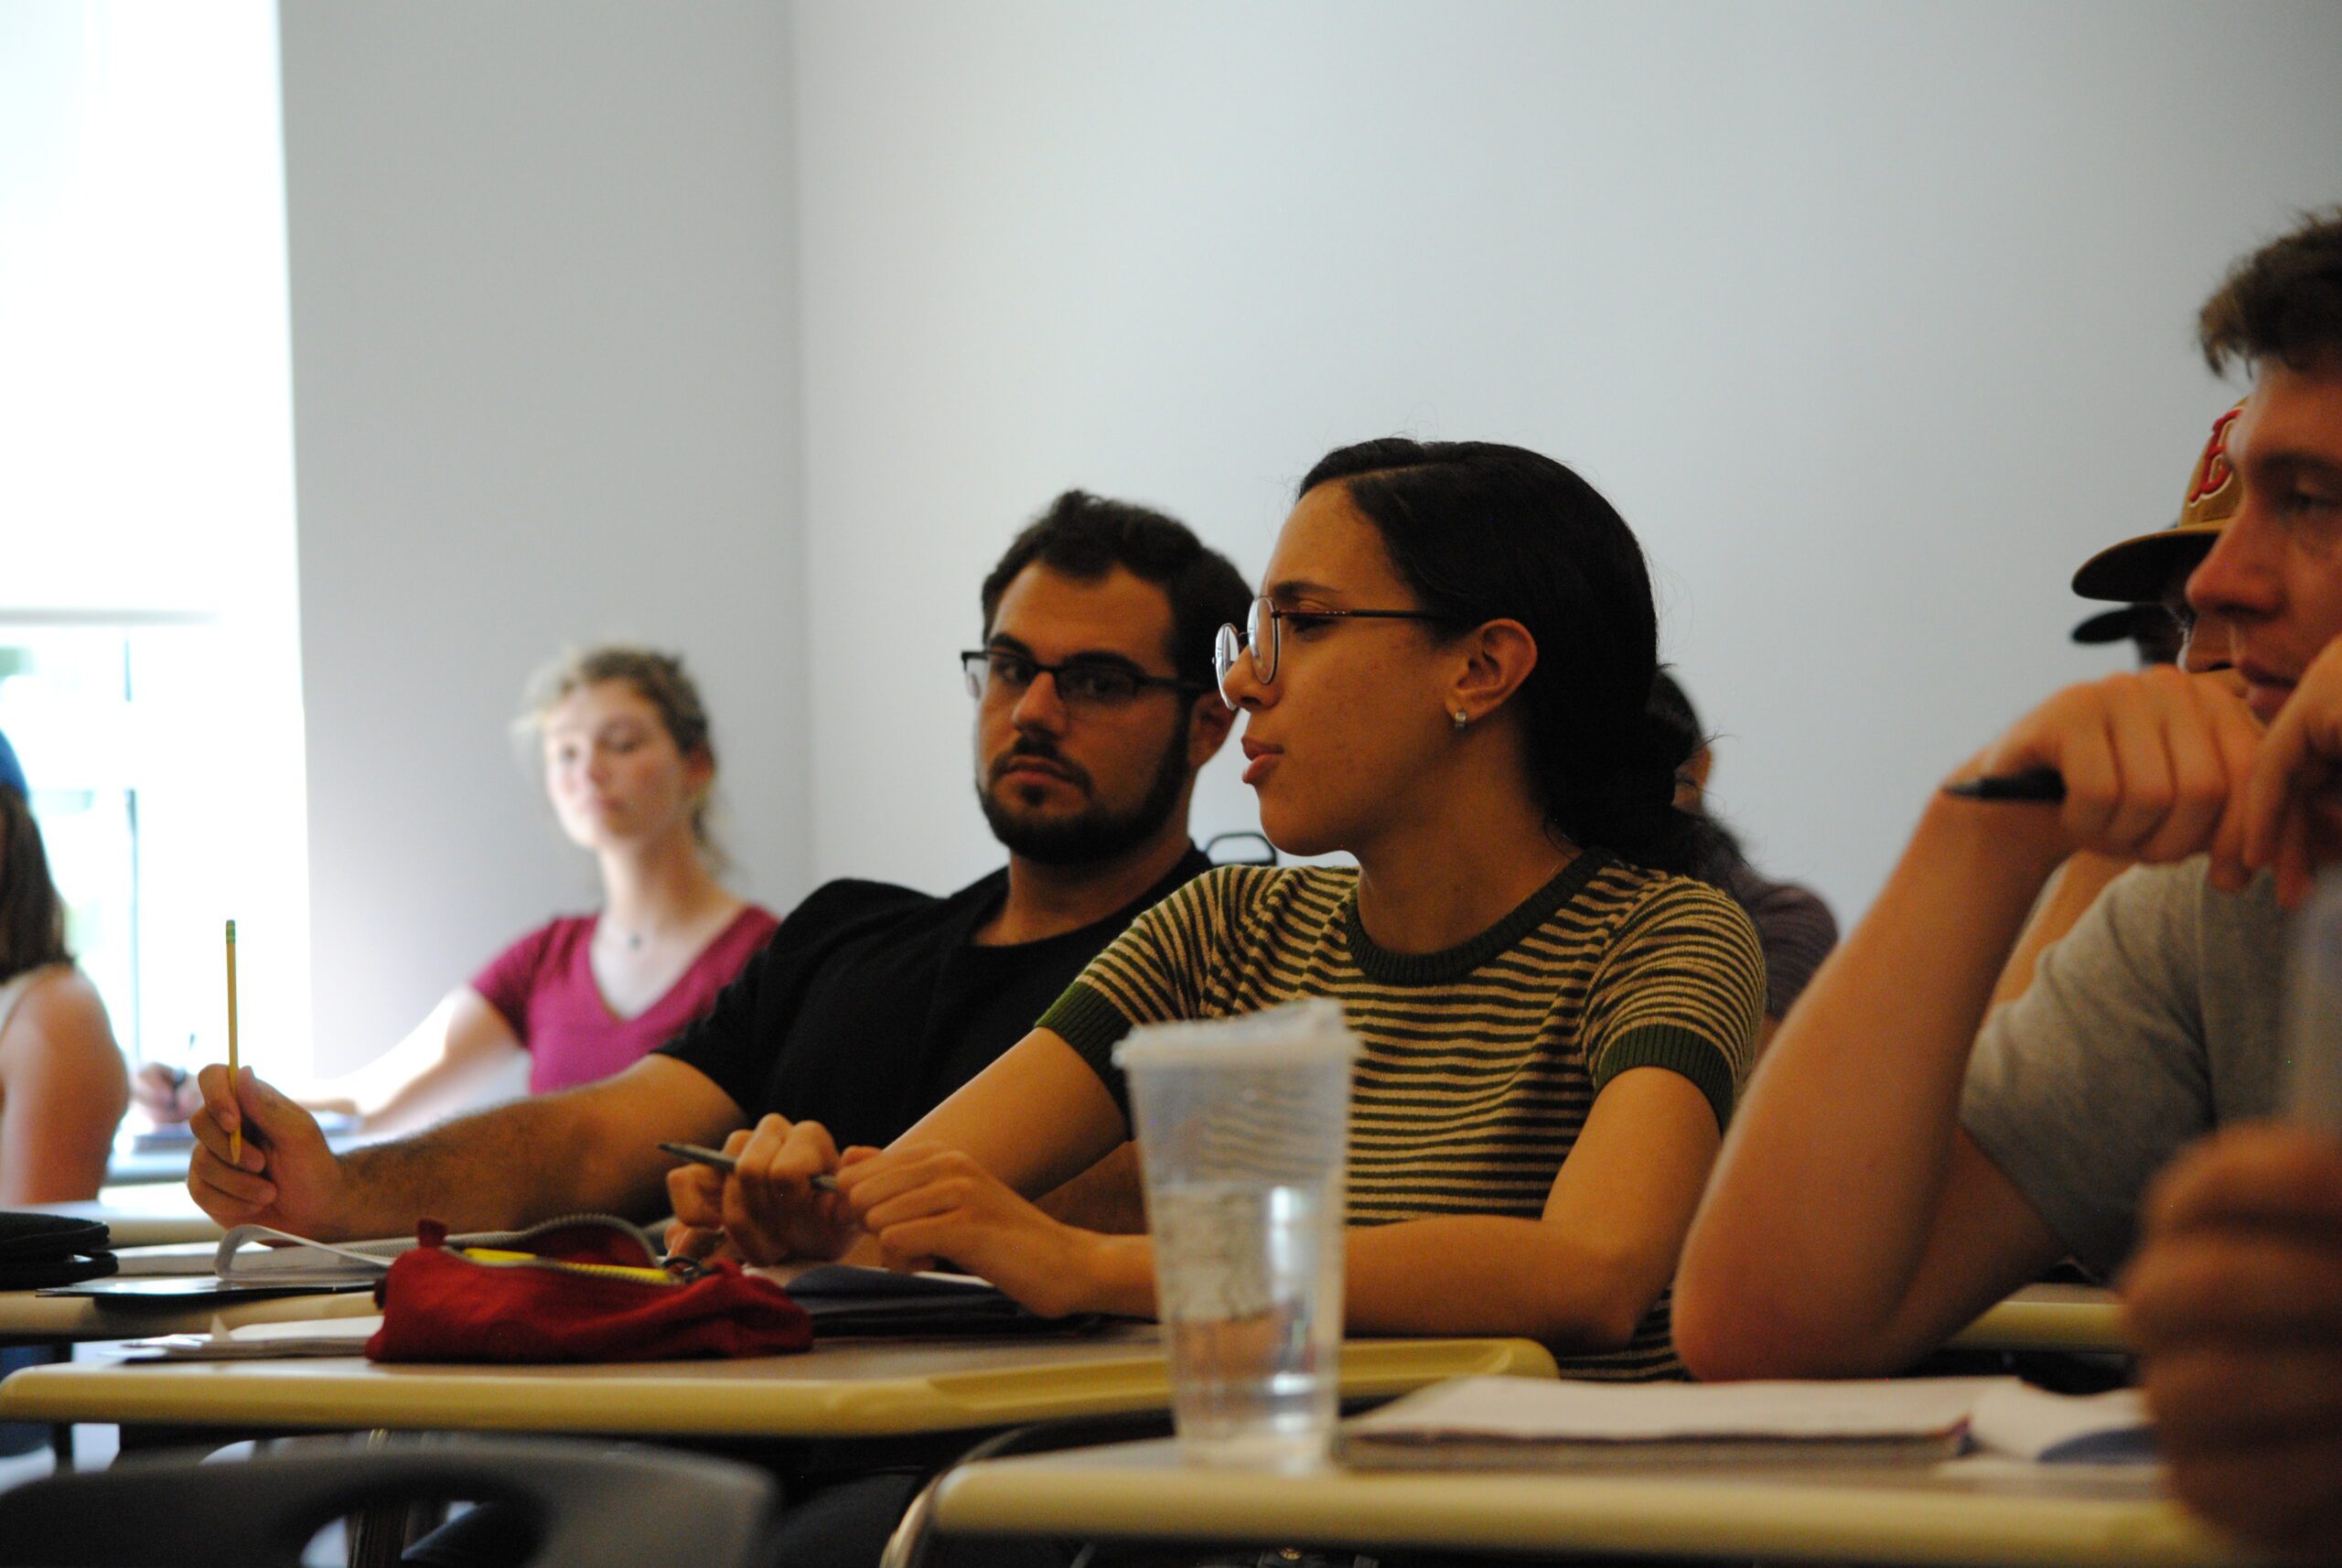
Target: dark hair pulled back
32,915
1481,531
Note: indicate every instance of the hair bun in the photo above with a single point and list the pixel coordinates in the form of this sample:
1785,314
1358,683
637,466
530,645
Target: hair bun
1658,744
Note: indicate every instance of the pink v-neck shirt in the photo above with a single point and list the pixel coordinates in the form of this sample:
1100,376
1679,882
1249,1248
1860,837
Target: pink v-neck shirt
544,986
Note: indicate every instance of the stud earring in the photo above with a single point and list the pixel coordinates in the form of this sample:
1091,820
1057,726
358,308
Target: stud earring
1462,719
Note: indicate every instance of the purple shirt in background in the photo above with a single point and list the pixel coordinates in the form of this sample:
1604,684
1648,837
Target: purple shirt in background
544,986
1794,927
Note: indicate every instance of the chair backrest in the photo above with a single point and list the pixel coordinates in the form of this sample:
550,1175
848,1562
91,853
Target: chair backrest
590,1506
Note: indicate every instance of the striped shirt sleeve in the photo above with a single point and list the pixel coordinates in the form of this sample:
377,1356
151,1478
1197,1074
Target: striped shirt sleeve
1682,988
1153,972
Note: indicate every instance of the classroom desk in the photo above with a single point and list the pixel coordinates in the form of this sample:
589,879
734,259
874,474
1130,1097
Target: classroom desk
867,1388
140,1215
165,1161
147,1167
1969,1511
2050,1318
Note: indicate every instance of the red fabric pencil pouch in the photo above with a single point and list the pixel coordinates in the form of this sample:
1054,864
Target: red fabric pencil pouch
584,1289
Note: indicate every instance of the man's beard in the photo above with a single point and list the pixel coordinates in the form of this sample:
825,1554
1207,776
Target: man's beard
1093,834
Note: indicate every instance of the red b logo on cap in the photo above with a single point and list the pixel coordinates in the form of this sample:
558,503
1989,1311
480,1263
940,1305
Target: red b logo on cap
2214,494
2212,470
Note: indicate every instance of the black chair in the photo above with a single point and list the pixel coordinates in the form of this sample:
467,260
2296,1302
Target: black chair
588,1505
913,1543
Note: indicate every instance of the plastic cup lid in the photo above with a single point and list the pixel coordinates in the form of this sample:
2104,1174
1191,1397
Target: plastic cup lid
1298,1034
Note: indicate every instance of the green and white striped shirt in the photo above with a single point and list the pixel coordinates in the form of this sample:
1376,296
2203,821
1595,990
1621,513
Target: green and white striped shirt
1480,1062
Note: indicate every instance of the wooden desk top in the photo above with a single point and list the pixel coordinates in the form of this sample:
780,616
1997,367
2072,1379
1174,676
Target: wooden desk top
1973,1510
141,1215
2050,1318
851,1388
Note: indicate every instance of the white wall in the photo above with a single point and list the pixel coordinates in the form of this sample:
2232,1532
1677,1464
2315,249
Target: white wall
543,341
1873,320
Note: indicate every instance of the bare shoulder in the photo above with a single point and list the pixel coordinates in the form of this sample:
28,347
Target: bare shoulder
61,1013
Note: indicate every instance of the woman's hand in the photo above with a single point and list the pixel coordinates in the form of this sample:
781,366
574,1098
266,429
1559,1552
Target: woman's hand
767,1206
925,1202
166,1094
700,1243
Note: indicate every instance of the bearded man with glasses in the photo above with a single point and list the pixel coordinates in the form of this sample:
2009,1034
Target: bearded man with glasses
1095,705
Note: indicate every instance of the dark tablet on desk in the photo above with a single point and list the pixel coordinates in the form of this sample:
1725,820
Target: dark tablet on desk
178,1290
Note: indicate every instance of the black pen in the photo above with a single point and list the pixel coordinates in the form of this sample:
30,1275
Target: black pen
2045,786
717,1159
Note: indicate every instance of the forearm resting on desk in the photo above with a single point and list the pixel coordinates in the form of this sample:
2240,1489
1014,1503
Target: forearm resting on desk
590,1149
593,1148
1486,1274
509,1167
1466,1276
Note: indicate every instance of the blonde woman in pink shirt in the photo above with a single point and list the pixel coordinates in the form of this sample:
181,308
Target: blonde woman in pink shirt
629,760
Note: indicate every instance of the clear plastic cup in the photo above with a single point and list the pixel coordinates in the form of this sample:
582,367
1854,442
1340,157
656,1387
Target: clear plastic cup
1242,1128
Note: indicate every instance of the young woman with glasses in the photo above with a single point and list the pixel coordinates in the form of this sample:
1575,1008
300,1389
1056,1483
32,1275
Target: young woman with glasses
1447,679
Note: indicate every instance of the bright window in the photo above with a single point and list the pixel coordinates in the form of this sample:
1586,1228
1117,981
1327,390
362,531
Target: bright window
149,650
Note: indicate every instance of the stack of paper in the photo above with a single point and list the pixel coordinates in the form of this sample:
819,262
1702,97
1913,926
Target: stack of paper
2026,1423
260,1341
1500,1421
262,1254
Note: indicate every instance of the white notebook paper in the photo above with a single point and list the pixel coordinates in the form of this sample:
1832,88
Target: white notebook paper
260,1341
1473,1421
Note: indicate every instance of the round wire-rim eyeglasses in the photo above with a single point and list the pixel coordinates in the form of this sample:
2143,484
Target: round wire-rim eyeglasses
1265,647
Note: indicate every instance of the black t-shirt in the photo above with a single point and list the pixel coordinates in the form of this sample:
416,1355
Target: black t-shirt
870,1004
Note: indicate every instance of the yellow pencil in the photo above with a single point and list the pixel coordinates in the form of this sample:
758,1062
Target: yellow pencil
236,1138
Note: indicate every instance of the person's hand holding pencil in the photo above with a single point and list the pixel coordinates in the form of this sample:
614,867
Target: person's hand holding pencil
282,1175
768,1206
2149,767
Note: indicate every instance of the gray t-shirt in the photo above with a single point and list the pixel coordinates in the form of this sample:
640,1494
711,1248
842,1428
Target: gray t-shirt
2153,1021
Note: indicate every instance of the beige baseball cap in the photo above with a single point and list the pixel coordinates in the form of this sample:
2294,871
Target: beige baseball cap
2138,570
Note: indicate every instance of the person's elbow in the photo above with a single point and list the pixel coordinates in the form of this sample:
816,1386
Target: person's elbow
1724,1337
1733,1321
1611,1326
1612,1297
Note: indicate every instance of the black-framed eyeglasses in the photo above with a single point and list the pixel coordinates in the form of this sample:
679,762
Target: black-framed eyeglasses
1081,683
1263,637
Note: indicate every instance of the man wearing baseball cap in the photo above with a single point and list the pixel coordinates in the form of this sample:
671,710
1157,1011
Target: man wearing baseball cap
2147,575
1901,1160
